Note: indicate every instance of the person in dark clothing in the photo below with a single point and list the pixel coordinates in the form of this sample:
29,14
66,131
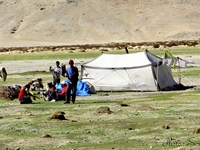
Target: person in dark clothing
24,96
50,94
72,74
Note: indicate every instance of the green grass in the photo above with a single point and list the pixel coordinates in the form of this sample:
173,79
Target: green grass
50,56
92,54
187,73
138,127
31,73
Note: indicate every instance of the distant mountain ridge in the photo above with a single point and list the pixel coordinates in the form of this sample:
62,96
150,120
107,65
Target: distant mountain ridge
90,22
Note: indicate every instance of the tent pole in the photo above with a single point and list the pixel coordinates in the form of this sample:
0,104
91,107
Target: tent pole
179,70
179,75
126,49
157,74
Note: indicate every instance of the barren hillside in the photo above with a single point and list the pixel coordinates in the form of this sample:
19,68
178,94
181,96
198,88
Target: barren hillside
65,22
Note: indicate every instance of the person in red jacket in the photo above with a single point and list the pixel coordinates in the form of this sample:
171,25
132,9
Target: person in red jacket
61,95
24,96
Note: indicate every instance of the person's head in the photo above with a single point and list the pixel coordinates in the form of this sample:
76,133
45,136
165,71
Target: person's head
57,63
31,82
50,84
27,86
63,83
71,62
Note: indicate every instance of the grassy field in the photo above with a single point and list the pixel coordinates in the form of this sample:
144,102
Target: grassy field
104,121
176,51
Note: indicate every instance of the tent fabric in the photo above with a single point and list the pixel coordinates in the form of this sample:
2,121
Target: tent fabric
140,71
58,87
82,89
118,61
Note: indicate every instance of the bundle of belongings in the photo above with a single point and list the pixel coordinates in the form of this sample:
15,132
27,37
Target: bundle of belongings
3,73
10,92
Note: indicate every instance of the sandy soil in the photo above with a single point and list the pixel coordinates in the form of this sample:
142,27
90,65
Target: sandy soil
64,22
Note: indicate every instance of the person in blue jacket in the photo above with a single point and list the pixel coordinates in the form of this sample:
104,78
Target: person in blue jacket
72,75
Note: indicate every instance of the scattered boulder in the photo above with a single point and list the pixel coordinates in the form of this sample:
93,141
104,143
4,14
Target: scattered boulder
47,136
123,105
165,127
104,109
59,115
196,131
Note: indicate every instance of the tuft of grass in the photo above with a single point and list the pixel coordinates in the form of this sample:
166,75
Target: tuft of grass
187,73
32,73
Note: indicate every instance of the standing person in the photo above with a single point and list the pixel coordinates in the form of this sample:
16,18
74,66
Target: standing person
56,71
72,74
24,96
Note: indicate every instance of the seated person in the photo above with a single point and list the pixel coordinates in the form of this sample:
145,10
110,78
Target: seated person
24,96
61,95
49,85
50,94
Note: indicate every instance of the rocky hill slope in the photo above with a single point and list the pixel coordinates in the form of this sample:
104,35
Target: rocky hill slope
65,22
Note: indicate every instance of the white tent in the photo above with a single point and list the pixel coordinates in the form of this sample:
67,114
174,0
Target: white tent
140,71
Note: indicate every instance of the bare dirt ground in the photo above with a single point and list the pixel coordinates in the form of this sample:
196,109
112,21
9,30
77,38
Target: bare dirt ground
35,65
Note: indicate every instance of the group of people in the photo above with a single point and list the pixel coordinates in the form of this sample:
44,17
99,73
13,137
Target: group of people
65,90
